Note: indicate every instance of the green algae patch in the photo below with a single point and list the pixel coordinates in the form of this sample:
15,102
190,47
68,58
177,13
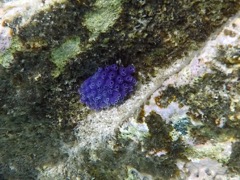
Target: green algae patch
103,16
215,151
61,55
6,58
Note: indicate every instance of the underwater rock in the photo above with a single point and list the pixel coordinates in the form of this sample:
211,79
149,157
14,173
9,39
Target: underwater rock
185,108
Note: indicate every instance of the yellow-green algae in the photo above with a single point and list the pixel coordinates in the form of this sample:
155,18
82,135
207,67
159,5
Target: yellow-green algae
61,55
103,16
6,58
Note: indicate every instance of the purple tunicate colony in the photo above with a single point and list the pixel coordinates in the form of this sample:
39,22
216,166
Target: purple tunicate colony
108,86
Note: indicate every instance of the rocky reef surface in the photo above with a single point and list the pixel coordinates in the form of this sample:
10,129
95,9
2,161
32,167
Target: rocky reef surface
181,122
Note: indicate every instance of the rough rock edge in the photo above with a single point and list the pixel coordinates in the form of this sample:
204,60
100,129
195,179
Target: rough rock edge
214,153
99,127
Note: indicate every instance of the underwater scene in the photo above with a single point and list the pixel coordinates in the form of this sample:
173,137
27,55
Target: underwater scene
119,90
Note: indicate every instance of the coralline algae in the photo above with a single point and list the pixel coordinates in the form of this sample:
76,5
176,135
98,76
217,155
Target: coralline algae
5,38
108,86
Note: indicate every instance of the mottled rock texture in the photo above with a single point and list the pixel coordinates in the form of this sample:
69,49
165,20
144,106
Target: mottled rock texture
49,47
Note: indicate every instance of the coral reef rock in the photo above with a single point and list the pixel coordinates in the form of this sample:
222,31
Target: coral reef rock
182,121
